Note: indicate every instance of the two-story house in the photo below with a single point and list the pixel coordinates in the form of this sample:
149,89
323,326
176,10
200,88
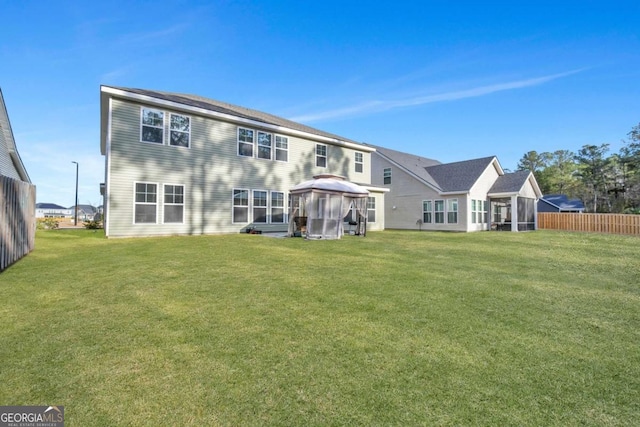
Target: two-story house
184,164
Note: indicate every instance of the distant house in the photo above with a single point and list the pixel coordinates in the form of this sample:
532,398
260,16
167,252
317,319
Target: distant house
51,210
17,198
184,164
85,212
559,203
471,195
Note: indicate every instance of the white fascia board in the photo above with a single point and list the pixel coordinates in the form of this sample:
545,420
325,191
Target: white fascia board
500,195
232,118
375,189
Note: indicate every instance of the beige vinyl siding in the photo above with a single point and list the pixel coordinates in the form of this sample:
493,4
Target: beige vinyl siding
209,170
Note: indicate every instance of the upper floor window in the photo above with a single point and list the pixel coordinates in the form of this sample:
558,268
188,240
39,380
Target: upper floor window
179,130
146,203
386,176
359,161
173,203
245,142
152,126
282,148
321,155
264,145
452,211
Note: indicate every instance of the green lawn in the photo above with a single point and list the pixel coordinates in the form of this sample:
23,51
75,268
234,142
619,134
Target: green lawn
398,328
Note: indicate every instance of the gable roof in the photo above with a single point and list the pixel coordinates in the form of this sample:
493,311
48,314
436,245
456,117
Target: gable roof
512,183
49,206
562,202
460,176
10,162
455,177
223,110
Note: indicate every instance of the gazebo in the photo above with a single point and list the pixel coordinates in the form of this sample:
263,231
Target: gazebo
319,207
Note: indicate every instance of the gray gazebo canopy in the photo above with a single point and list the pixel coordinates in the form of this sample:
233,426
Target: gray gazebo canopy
322,204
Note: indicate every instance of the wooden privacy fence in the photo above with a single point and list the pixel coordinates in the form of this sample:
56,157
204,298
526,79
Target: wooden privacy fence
596,223
17,220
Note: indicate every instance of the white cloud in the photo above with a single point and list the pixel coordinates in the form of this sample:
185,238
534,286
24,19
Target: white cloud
376,106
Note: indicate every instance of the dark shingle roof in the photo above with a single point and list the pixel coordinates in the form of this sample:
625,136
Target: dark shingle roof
510,182
459,176
234,110
48,206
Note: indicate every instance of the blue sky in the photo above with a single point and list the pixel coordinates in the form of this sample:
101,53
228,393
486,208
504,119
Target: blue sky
446,80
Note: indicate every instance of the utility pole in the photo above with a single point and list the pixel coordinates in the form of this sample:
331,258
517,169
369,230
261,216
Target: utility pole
75,220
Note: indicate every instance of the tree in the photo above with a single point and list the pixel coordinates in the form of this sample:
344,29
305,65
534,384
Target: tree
592,168
629,158
536,163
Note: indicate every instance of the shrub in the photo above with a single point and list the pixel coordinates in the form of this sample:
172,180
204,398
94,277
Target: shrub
47,223
92,225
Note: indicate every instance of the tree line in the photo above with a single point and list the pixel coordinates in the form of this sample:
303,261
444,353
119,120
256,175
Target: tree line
604,182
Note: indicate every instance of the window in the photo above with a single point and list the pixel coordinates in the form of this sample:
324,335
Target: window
439,211
282,148
146,203
485,211
427,212
386,176
264,145
277,207
245,142
240,206
452,211
173,203
359,158
179,130
152,126
260,206
371,209
478,211
473,211
321,155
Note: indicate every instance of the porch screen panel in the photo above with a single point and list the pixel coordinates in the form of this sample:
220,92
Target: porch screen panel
526,214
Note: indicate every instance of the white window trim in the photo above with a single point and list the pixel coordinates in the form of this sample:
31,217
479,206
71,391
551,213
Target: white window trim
266,208
180,131
276,149
375,210
356,162
447,211
326,155
183,204
248,205
431,211
238,142
258,145
443,211
271,207
384,176
142,108
133,218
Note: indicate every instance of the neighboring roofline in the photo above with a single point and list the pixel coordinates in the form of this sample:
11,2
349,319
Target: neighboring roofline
107,91
542,199
11,142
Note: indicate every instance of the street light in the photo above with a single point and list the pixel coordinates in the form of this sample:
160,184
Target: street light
75,221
